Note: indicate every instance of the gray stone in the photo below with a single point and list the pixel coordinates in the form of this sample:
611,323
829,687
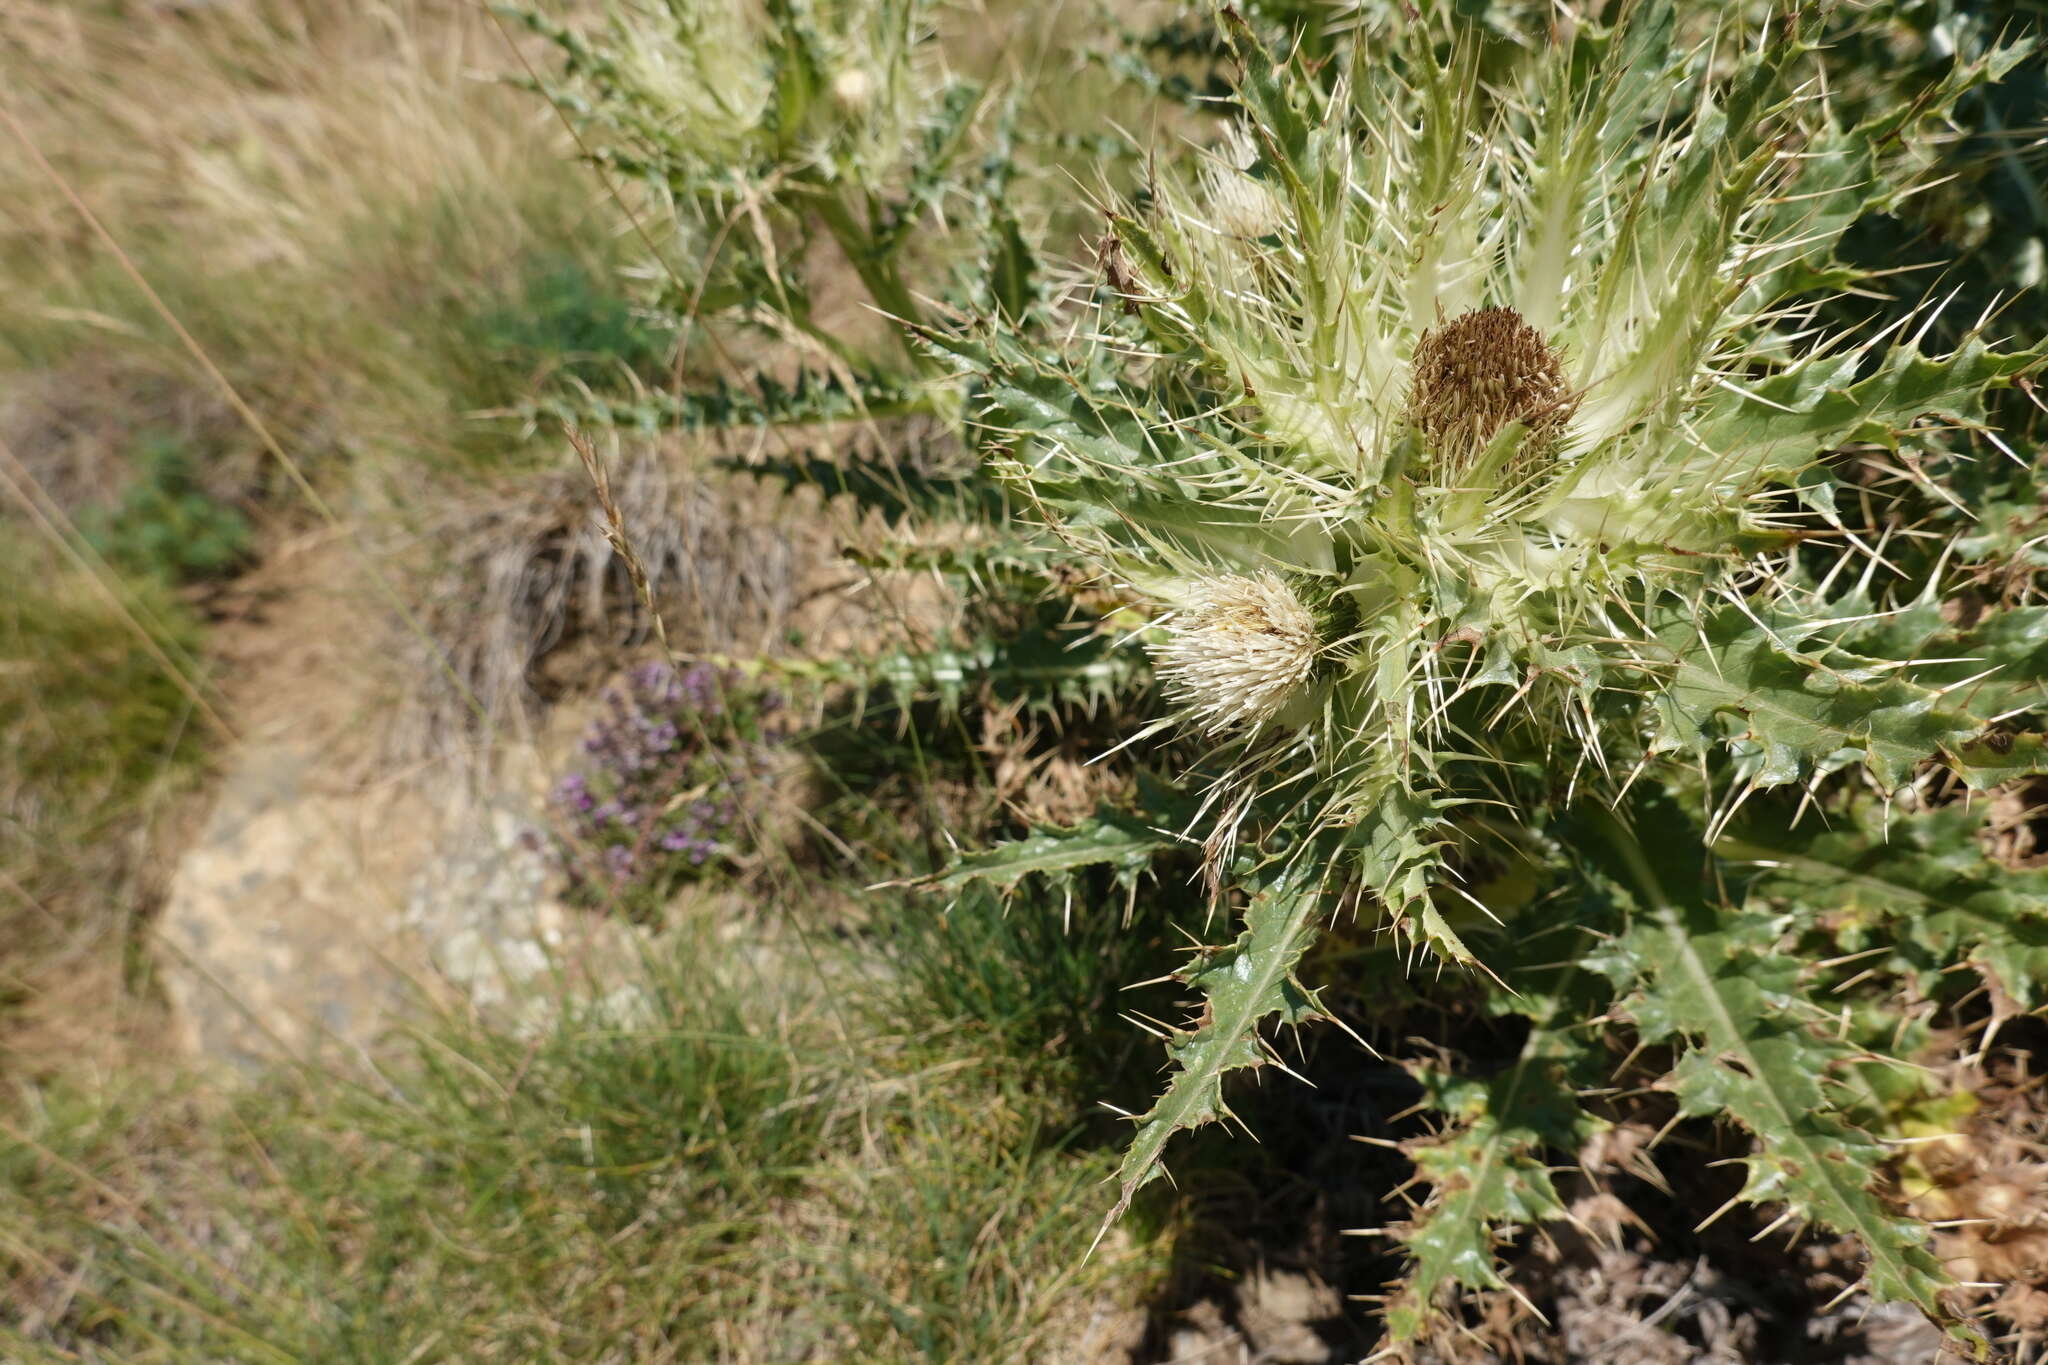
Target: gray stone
281,926
308,917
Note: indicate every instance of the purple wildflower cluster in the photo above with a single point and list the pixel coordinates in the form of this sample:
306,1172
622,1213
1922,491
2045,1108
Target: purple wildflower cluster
669,768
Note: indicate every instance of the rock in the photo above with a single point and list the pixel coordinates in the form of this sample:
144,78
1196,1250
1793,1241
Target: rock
481,908
282,922
1277,1311
1204,1338
486,910
307,917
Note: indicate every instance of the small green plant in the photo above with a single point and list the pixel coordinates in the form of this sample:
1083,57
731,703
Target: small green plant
165,524
565,323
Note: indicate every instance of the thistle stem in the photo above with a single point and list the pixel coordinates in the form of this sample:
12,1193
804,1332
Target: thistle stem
876,268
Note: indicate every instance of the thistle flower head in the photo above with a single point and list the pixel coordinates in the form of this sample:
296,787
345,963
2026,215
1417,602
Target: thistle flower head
696,74
718,93
1238,648
1470,377
1239,204
1348,354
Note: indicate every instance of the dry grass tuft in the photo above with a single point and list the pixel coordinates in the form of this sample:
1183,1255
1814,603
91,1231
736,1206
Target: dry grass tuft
325,195
526,598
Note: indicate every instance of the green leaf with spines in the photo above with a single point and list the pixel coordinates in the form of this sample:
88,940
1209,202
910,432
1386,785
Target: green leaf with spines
1779,422
1997,665
1737,680
1489,1170
1033,666
1754,1048
811,399
1243,984
1006,563
1049,673
892,487
1394,845
1127,842
1078,444
1918,886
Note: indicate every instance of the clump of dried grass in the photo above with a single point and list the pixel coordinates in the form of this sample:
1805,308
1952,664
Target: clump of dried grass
522,580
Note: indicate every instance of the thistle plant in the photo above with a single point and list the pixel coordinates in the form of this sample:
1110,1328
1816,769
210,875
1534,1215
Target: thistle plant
1472,442
757,132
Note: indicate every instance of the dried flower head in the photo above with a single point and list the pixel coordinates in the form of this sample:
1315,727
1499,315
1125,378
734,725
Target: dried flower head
1478,372
1237,649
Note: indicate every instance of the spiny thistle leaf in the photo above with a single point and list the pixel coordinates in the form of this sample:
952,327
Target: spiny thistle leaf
1489,1171
886,485
810,399
1917,886
1777,423
1998,665
1740,681
1011,562
1129,843
1755,1048
1084,449
1995,758
1242,985
1049,672
1031,665
1392,844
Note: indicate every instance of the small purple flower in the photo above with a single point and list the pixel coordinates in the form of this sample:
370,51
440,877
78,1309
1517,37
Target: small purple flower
661,732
